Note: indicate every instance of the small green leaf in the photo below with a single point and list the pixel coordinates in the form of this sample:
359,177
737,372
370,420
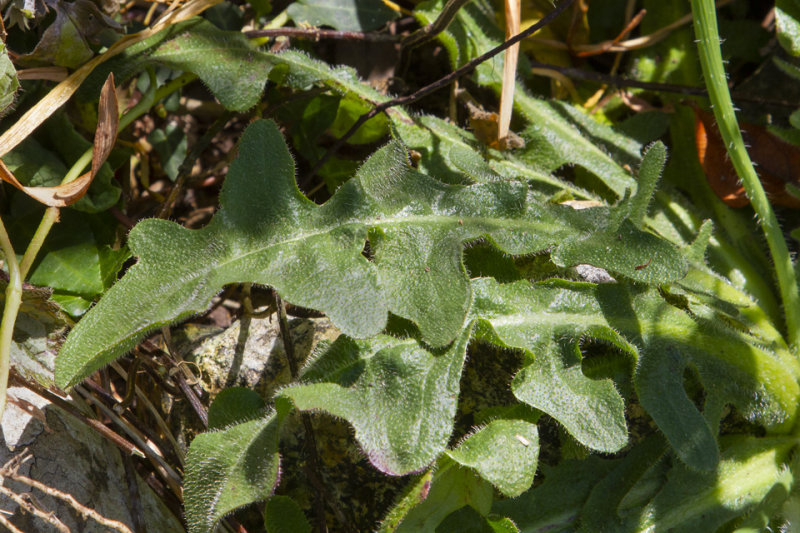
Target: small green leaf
170,144
501,524
231,67
230,468
350,110
8,81
74,306
345,15
787,21
235,405
452,488
655,156
659,384
554,505
400,398
505,453
283,515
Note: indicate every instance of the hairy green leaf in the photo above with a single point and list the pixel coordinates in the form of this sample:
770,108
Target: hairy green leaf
283,515
505,453
548,319
267,232
649,172
235,405
694,501
659,380
232,467
225,61
400,398
553,139
554,505
600,512
787,20
468,520
452,488
415,492
345,15
548,328
8,81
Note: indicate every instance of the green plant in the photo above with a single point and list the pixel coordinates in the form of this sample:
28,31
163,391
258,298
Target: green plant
654,381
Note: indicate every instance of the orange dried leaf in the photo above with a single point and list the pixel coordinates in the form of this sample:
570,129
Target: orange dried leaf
104,137
777,162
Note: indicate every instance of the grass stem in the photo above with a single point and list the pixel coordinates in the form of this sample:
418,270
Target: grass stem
708,45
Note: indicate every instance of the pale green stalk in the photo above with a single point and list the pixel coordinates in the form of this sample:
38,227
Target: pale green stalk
10,310
708,45
277,22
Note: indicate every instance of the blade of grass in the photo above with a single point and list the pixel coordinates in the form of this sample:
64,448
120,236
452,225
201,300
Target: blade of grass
708,45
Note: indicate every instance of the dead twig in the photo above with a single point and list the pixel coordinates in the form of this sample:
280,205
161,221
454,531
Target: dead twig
84,511
27,505
317,34
8,525
172,478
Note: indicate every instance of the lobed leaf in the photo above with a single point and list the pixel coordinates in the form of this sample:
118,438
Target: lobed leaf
548,328
399,397
267,232
547,320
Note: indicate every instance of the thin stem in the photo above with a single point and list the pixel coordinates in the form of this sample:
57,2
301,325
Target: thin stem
50,217
705,27
10,310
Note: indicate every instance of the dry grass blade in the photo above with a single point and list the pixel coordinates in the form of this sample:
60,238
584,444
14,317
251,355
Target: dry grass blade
105,135
513,16
62,92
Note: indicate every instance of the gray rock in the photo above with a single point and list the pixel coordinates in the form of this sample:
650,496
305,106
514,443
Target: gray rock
72,458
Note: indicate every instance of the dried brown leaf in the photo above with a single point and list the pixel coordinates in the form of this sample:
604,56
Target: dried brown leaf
776,161
105,135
